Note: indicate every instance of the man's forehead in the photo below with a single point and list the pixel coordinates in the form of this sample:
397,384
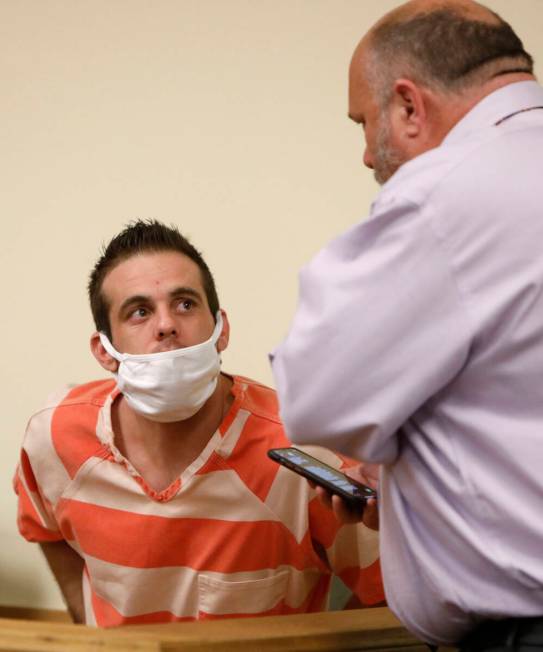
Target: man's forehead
360,93
152,269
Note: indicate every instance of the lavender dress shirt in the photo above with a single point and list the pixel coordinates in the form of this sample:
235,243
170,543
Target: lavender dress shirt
418,343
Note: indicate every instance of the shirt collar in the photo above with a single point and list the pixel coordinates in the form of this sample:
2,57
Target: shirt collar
496,106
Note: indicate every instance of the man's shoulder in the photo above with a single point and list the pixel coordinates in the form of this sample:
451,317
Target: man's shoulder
464,166
93,393
65,429
421,178
257,398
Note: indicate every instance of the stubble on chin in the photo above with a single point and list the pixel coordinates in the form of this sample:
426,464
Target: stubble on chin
387,158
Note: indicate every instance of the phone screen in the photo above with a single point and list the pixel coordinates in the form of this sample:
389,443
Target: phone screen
323,474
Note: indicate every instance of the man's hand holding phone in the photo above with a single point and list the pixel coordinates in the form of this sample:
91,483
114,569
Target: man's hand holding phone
367,474
351,494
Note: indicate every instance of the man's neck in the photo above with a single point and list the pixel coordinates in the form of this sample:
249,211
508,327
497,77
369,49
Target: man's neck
160,452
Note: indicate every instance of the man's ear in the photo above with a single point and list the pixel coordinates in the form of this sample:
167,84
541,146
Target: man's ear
409,111
224,337
103,357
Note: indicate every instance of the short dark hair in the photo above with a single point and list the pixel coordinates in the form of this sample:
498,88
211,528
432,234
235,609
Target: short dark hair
444,49
138,237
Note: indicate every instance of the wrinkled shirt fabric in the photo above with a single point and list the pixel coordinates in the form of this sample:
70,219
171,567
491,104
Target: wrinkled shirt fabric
418,343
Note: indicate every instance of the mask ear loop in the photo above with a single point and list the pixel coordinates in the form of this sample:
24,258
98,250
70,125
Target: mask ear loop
218,326
108,346
218,321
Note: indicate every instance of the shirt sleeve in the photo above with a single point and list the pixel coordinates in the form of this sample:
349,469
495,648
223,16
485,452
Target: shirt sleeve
380,327
35,518
40,480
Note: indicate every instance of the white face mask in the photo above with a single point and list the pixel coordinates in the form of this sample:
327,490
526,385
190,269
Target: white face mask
170,385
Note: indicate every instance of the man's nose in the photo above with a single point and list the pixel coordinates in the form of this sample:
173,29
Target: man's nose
165,326
368,159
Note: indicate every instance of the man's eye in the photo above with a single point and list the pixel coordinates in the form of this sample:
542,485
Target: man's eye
185,304
139,313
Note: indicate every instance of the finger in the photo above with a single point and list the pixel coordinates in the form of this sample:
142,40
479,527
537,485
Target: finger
324,496
371,471
360,474
345,512
371,514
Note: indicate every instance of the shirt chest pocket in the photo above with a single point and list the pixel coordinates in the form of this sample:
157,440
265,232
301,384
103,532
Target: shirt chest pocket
217,597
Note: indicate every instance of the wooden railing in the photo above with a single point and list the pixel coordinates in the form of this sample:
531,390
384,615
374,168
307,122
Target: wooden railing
367,629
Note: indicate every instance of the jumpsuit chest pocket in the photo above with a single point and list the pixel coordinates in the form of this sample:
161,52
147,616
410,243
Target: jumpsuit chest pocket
220,597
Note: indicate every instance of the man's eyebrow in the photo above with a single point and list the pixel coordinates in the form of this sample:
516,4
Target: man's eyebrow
181,291
185,291
134,299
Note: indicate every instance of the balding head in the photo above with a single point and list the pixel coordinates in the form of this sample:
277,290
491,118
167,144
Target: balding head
447,45
424,65
467,8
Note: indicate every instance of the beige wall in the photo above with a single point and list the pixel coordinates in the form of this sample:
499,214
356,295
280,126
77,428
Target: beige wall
226,117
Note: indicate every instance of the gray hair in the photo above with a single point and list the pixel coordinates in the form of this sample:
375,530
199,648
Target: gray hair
443,50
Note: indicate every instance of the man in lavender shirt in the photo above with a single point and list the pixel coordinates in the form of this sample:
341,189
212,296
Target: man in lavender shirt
418,339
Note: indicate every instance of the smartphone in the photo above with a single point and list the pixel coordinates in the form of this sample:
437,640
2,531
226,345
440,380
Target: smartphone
322,474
